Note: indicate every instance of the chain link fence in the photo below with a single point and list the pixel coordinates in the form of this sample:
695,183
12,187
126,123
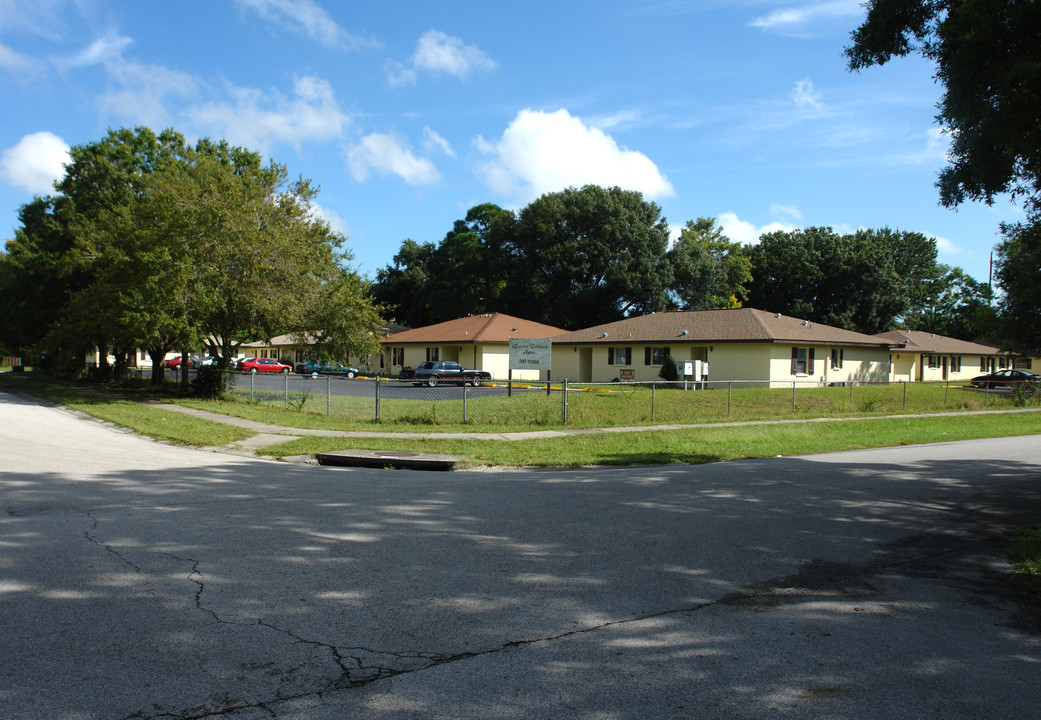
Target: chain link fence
535,405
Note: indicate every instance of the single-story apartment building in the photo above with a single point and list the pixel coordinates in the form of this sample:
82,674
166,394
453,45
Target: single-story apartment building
478,342
738,344
921,356
285,347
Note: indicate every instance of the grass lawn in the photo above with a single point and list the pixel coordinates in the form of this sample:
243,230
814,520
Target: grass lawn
596,408
631,406
1024,555
696,445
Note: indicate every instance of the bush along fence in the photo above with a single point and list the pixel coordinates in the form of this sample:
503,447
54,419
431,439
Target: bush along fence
539,404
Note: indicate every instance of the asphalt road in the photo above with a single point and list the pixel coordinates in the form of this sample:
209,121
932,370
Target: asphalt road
139,580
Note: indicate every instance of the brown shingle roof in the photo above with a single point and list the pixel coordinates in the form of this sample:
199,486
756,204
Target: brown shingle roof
488,328
732,325
925,342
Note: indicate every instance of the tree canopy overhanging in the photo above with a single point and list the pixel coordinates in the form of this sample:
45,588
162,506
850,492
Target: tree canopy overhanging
150,242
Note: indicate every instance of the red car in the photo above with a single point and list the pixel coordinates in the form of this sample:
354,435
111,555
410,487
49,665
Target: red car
175,362
268,365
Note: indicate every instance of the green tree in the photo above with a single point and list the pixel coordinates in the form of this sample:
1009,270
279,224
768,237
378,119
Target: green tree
402,286
988,60
36,282
1017,267
469,269
956,305
709,271
863,281
466,273
590,255
172,245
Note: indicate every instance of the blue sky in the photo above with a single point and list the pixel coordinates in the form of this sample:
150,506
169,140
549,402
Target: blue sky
409,113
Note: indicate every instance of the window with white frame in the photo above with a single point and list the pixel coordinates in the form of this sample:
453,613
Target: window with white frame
397,356
955,363
836,358
619,356
433,354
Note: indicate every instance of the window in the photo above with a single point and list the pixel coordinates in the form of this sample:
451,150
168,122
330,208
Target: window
955,363
983,363
836,358
802,361
619,356
1003,363
397,356
933,362
433,353
1022,363
655,355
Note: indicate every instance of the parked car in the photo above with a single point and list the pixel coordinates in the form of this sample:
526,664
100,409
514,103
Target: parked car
266,365
314,368
1004,378
175,362
433,372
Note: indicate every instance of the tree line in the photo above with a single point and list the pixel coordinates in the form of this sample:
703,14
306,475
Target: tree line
154,243
586,256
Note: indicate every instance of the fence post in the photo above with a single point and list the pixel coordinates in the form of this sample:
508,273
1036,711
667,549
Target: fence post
905,395
851,384
730,393
464,403
793,395
563,395
946,391
377,398
653,386
252,377
328,394
286,375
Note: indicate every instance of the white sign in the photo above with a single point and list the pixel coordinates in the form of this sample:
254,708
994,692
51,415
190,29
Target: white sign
530,354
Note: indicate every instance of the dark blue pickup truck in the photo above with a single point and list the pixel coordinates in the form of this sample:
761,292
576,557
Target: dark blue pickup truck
432,373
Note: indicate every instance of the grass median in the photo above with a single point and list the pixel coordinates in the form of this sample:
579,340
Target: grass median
694,445
687,445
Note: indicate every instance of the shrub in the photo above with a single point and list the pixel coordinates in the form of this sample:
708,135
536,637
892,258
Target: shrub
668,370
209,384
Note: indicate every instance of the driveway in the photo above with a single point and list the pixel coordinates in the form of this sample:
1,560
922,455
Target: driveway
139,580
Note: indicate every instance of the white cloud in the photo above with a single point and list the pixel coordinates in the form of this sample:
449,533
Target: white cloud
35,162
544,152
787,212
304,16
805,95
390,153
946,246
747,233
15,61
795,19
106,48
438,52
335,221
142,91
256,119
433,142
